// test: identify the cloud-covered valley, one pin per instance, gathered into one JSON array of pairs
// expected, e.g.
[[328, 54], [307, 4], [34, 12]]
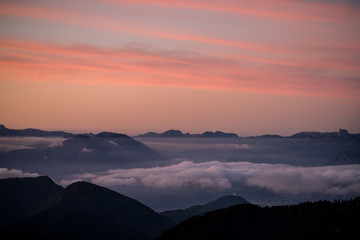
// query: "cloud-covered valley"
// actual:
[[194, 170], [279, 178]]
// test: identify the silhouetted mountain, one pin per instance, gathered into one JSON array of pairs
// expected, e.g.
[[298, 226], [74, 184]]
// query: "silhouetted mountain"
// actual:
[[219, 134], [173, 133], [269, 136], [342, 134], [21, 196], [30, 132], [317, 220], [87, 211], [181, 214], [300, 149], [178, 133], [149, 134], [111, 135], [169, 133], [102, 151]]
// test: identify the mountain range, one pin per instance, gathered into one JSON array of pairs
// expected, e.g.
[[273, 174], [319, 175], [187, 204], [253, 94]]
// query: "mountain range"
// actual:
[[80, 211], [78, 153], [341, 134], [178, 133], [31, 132], [44, 210], [310, 220], [38, 208], [82, 151]]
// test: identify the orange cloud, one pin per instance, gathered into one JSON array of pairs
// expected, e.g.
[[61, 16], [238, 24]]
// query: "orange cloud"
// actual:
[[143, 65], [87, 20]]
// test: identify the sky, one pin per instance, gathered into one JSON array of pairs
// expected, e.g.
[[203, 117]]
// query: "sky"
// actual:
[[248, 67]]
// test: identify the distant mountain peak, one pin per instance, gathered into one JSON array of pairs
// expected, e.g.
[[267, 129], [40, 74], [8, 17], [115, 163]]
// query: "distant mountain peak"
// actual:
[[219, 134], [76, 151], [111, 135], [343, 132], [178, 133], [31, 132], [173, 133]]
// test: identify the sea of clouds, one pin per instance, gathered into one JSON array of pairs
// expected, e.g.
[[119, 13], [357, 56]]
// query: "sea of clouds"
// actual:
[[279, 178]]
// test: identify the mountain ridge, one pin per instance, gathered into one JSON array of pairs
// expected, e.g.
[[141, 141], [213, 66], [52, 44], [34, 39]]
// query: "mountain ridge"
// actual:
[[103, 150], [87, 211], [31, 132], [308, 220], [181, 214], [21, 196], [178, 133], [341, 134]]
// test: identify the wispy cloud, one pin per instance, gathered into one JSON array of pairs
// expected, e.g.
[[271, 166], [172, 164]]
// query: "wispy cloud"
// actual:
[[308, 49], [239, 57], [152, 66], [275, 9], [334, 180]]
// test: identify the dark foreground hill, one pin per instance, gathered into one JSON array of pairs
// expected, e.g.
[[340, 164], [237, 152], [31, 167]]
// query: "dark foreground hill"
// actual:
[[87, 211], [318, 220], [22, 196], [181, 214]]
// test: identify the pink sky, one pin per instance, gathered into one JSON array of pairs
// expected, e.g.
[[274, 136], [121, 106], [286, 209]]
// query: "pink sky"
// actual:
[[249, 67]]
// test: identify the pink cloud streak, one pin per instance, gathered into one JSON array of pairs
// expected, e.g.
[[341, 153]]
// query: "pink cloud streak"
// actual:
[[325, 68], [144, 65], [89, 20], [273, 9]]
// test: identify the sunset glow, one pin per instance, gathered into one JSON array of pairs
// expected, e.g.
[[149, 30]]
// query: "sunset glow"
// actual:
[[249, 67]]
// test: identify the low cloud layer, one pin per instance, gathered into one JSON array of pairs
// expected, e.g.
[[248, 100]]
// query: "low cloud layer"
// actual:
[[14, 143], [12, 173], [335, 180]]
